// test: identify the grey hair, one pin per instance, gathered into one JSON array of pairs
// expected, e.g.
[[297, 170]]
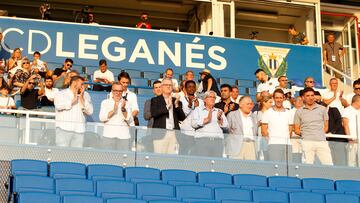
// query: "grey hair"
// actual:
[[162, 82], [207, 93]]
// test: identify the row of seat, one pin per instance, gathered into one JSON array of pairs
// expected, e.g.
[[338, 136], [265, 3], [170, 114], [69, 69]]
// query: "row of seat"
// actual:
[[260, 196]]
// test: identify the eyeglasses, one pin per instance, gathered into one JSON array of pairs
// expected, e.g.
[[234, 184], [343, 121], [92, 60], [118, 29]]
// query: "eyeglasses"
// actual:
[[310, 81], [26, 63], [31, 83], [69, 65], [357, 88]]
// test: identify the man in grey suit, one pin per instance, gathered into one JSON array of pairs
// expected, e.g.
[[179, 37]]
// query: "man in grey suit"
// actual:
[[147, 105], [243, 127]]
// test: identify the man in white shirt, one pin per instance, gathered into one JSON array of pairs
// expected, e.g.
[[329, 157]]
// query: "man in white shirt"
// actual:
[[116, 115], [266, 83], [103, 76], [333, 97], [276, 126], [283, 85], [235, 97], [351, 122], [243, 127], [130, 97], [356, 90], [49, 95], [295, 139], [169, 73], [71, 107], [208, 123]]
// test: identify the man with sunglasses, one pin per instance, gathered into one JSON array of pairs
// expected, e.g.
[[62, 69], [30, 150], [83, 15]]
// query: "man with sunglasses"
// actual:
[[30, 95], [60, 72], [356, 91]]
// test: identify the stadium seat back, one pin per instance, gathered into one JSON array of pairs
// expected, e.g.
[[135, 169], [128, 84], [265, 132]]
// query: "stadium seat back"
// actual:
[[214, 177], [284, 182], [250, 180], [336, 198], [347, 185], [150, 75], [31, 167], [33, 197], [105, 170], [178, 175], [318, 183], [232, 194], [270, 195], [301, 197], [73, 184], [187, 191], [67, 170], [124, 200], [81, 199], [112, 186], [157, 189], [142, 173], [33, 183]]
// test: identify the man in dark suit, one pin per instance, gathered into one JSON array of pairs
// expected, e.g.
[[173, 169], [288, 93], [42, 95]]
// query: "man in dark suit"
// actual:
[[167, 113]]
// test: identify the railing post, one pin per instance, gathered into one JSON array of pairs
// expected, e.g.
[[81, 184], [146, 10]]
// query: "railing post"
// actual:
[[27, 129]]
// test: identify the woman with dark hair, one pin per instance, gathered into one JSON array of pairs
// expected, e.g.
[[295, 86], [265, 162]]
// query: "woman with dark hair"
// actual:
[[208, 82]]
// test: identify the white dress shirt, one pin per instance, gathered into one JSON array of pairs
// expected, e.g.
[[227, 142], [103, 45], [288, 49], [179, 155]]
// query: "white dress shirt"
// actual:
[[117, 126], [248, 125], [131, 99], [50, 93], [336, 103], [106, 75], [185, 125], [68, 116], [212, 129]]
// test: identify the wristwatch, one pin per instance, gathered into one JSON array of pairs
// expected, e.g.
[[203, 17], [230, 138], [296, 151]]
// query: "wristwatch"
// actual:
[[123, 109]]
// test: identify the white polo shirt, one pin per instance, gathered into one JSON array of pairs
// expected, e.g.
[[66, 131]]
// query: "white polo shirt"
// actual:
[[269, 85], [353, 116], [336, 103], [106, 75]]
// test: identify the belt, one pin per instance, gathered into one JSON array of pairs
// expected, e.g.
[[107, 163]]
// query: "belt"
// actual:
[[248, 140]]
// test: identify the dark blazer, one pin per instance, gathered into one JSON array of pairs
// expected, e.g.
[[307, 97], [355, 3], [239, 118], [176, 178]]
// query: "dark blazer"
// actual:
[[159, 112]]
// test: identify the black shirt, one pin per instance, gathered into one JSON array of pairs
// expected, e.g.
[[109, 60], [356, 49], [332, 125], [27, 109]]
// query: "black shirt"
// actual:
[[213, 87], [59, 71], [29, 99], [221, 105]]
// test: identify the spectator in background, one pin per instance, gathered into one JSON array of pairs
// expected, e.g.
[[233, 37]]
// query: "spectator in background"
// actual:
[[117, 116], [276, 126], [311, 123], [308, 82], [39, 66], [297, 37], [265, 103], [30, 95], [169, 73], [189, 75], [1, 34], [209, 123], [47, 98], [59, 73], [235, 97], [296, 141], [144, 21], [21, 75], [147, 105], [130, 97], [103, 76], [283, 85], [318, 99], [226, 105], [243, 128], [71, 107], [356, 91], [266, 83], [91, 19], [64, 81], [167, 113], [351, 120], [14, 62], [332, 53], [6, 101], [208, 82], [3, 78], [333, 97]]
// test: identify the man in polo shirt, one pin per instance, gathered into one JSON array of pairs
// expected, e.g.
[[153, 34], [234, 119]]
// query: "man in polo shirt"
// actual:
[[332, 52], [311, 123], [266, 83], [276, 125]]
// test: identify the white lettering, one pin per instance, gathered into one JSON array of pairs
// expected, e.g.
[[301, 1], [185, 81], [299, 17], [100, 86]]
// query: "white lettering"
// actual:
[[30, 42], [121, 51], [83, 46], [214, 56], [4, 36], [59, 47], [174, 57], [141, 45], [190, 55]]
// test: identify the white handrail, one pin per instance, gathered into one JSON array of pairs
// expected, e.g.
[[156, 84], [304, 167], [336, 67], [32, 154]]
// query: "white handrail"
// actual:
[[345, 76]]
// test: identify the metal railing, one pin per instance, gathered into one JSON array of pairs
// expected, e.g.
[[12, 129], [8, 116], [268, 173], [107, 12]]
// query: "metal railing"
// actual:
[[345, 78]]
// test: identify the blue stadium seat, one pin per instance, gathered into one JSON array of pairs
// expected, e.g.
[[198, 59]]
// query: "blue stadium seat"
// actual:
[[153, 191], [284, 182], [250, 180], [238, 201], [169, 175], [139, 82], [114, 189], [203, 201], [245, 83], [326, 191], [67, 170], [302, 197], [347, 185], [133, 73], [318, 183], [81, 199], [214, 178], [105, 172], [190, 192], [270, 195], [124, 200], [31, 167], [230, 81], [145, 92], [165, 201], [243, 90], [29, 183], [33, 197], [336, 198], [74, 186], [232, 194], [142, 173], [150, 75]]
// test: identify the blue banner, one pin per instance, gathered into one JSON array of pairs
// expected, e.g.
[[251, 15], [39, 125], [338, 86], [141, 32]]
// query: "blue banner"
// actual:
[[150, 50]]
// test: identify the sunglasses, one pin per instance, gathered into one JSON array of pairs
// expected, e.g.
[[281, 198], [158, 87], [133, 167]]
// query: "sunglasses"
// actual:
[[31, 83], [358, 88], [69, 65], [26, 63], [310, 81]]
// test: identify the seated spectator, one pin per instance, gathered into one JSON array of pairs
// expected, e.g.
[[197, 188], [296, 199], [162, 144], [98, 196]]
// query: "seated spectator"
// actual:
[[3, 78], [14, 62], [333, 97], [235, 97], [103, 76], [266, 83], [308, 82], [189, 75], [64, 81], [59, 73], [144, 21], [226, 105], [297, 37], [356, 91], [39, 66], [6, 102], [169, 73], [30, 95], [48, 98], [21, 75], [208, 82]]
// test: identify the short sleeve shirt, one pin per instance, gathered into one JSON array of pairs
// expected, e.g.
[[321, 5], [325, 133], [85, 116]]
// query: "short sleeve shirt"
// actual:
[[353, 115], [268, 86], [311, 122], [332, 50], [278, 125], [299, 38], [59, 71]]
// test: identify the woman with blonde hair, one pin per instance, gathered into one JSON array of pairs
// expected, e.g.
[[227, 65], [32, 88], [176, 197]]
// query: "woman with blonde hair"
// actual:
[[14, 62]]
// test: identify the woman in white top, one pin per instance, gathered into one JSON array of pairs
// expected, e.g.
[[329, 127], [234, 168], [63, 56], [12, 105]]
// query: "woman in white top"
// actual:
[[117, 117], [266, 102], [6, 102], [14, 62]]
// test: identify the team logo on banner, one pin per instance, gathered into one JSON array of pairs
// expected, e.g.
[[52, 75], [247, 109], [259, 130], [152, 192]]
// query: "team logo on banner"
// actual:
[[273, 60]]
